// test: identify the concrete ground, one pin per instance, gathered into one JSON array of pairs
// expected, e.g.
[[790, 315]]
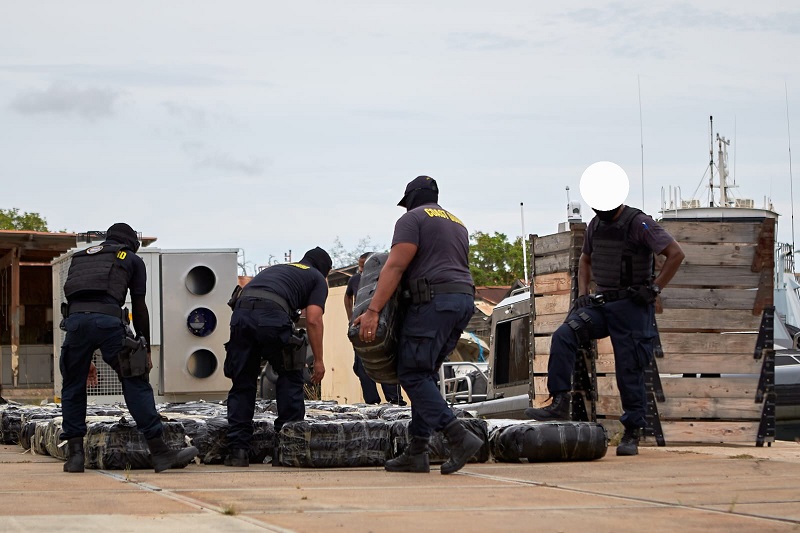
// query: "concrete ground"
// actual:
[[709, 488]]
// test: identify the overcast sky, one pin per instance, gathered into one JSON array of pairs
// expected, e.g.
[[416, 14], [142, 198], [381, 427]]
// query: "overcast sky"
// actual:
[[277, 126]]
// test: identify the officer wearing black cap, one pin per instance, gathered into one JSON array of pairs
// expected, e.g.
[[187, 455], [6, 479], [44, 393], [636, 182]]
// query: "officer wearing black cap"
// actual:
[[429, 259], [262, 328], [617, 253], [97, 283]]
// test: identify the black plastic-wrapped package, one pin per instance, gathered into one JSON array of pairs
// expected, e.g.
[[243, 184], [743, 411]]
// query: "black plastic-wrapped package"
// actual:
[[261, 446], [39, 437], [379, 356], [10, 423], [512, 440], [29, 417], [340, 443], [118, 444]]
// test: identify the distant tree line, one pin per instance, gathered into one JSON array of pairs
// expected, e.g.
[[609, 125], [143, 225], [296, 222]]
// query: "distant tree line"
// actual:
[[12, 219]]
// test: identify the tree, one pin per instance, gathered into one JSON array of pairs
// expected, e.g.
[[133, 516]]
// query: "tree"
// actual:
[[12, 219], [342, 257], [493, 260]]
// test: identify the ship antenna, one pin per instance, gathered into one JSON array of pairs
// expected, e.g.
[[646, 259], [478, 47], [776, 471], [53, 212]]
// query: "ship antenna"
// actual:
[[791, 179], [524, 248], [641, 134], [711, 163]]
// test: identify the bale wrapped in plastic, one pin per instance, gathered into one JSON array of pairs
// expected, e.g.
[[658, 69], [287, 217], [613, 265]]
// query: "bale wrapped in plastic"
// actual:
[[317, 414], [118, 444], [30, 416], [39, 438], [10, 423], [200, 408], [373, 412], [331, 406], [262, 444], [438, 450], [513, 440], [26, 433], [195, 427], [379, 356], [342, 443], [117, 410], [52, 439], [396, 413]]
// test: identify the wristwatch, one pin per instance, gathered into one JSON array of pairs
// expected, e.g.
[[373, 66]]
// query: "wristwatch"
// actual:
[[655, 288]]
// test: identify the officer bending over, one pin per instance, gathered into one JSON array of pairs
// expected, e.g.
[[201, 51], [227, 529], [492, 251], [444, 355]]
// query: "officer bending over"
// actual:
[[262, 328], [429, 258], [97, 283]]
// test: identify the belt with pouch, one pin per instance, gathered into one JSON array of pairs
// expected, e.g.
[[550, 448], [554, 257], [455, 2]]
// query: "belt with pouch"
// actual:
[[263, 300], [97, 307]]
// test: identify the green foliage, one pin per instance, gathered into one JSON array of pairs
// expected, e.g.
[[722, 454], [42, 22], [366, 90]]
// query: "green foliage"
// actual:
[[342, 257], [493, 260], [13, 220]]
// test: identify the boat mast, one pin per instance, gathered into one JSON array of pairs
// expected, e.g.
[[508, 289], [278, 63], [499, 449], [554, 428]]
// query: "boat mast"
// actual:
[[723, 170], [711, 162]]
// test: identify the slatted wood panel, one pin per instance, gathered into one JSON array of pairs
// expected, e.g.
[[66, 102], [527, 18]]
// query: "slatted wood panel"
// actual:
[[718, 293]]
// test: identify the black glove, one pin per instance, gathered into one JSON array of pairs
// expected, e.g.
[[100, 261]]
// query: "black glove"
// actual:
[[643, 294], [582, 301]]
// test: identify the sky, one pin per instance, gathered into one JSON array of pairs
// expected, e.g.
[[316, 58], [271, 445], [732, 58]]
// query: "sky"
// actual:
[[276, 126]]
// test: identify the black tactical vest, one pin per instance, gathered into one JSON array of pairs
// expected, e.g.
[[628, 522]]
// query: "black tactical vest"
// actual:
[[98, 269], [617, 262]]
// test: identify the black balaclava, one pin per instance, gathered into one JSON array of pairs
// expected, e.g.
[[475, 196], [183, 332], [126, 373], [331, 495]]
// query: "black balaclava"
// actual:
[[606, 216], [319, 259], [420, 197], [123, 234]]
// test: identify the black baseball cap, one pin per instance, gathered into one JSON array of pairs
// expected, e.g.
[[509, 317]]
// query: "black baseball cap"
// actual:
[[420, 182]]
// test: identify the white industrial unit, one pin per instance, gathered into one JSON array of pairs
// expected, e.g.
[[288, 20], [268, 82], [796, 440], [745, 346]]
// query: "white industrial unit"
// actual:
[[195, 318], [187, 294]]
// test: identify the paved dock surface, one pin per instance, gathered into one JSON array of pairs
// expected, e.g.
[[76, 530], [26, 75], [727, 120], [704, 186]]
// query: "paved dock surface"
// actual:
[[709, 488]]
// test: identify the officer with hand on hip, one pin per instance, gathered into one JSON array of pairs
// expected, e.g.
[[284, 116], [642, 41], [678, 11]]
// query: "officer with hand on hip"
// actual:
[[97, 283], [262, 328], [618, 253], [429, 259]]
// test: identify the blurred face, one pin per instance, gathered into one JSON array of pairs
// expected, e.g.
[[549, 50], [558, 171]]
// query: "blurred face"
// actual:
[[361, 265]]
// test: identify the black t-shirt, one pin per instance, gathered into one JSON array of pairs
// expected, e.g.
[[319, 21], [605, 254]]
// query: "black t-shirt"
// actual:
[[352, 284], [299, 284], [442, 244]]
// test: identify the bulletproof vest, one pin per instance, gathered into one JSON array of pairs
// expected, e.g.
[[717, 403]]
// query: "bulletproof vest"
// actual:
[[617, 262], [97, 269]]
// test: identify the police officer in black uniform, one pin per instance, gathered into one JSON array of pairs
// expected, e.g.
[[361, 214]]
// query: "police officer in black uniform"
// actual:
[[97, 283], [262, 328], [429, 259], [618, 252]]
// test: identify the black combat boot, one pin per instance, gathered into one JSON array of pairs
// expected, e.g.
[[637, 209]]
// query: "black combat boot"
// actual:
[[237, 457], [629, 444], [163, 457], [413, 459], [463, 445], [557, 410], [75, 456]]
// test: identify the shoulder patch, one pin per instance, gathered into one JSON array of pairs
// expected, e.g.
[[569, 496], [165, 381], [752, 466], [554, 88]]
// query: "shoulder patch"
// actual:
[[298, 265], [94, 249]]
